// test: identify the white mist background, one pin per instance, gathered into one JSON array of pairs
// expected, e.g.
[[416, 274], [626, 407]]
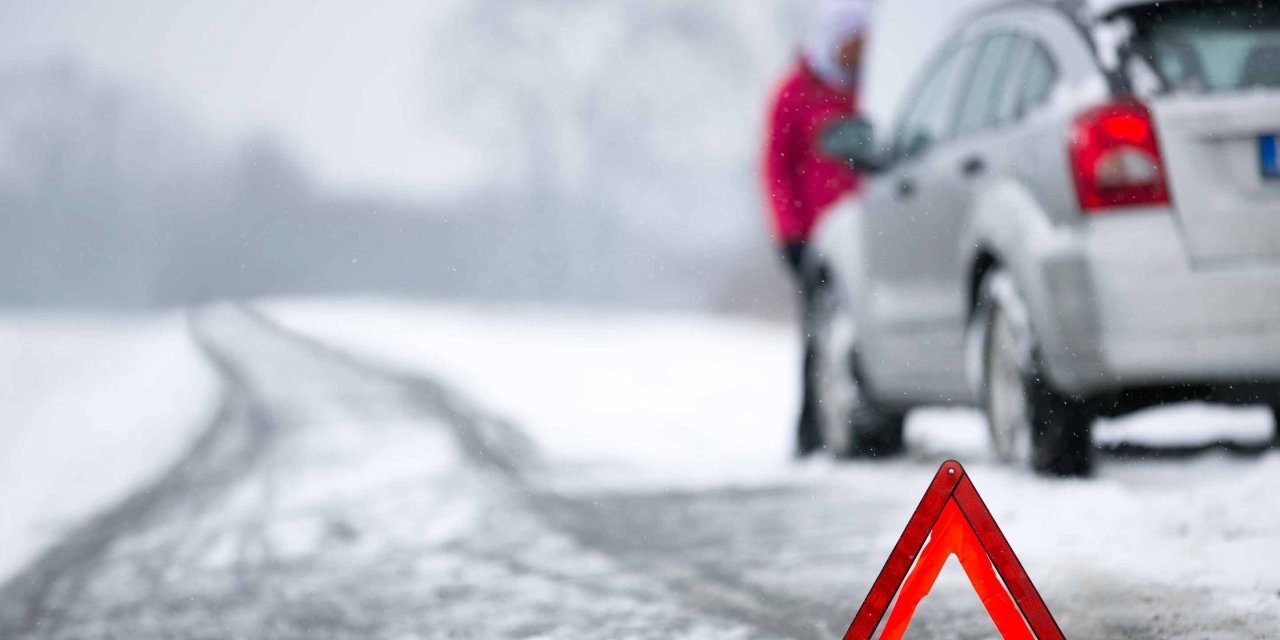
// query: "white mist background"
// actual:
[[590, 152], [342, 81]]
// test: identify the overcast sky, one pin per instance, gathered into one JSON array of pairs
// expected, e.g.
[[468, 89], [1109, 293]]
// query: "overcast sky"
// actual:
[[340, 81]]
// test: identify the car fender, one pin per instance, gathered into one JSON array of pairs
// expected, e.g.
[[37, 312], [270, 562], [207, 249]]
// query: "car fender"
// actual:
[[1047, 263]]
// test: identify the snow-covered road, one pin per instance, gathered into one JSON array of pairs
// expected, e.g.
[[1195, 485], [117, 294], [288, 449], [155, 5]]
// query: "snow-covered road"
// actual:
[[632, 486]]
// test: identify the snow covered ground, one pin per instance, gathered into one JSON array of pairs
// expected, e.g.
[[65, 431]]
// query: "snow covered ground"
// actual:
[[336, 498], [655, 398], [643, 404], [376, 480], [91, 407]]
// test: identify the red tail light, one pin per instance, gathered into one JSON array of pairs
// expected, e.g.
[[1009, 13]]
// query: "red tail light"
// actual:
[[1115, 159]]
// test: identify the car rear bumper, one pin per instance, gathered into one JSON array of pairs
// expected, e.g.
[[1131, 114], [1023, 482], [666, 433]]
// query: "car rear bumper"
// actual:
[[1126, 308]]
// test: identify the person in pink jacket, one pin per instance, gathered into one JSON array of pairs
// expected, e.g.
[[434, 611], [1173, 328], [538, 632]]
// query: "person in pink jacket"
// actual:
[[799, 181]]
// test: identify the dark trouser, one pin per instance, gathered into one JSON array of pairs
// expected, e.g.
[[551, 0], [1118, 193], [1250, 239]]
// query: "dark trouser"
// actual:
[[808, 435]]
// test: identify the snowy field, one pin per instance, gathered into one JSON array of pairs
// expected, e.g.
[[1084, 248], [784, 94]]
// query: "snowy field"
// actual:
[[91, 408], [645, 404], [673, 398]]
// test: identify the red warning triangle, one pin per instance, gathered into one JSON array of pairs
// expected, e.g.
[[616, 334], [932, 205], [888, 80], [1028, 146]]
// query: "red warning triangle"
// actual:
[[954, 521]]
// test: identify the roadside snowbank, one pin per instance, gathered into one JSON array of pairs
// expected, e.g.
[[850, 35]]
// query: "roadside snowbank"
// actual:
[[91, 407]]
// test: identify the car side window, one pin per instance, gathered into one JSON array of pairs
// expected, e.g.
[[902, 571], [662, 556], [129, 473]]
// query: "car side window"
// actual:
[[1038, 78], [927, 119], [988, 83]]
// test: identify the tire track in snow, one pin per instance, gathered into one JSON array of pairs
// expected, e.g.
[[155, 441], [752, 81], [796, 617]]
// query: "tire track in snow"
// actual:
[[233, 442], [498, 443], [139, 568], [246, 427], [489, 440]]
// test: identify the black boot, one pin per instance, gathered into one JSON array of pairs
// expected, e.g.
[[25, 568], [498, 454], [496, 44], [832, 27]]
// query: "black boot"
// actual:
[[808, 435]]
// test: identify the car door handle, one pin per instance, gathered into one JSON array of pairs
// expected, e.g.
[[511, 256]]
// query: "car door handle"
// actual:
[[906, 188], [973, 166]]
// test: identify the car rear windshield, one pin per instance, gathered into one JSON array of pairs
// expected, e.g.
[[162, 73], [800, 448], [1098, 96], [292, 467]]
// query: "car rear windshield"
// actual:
[[1210, 47]]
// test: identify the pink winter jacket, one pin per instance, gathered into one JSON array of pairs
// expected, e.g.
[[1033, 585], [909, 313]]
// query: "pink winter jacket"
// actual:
[[799, 180]]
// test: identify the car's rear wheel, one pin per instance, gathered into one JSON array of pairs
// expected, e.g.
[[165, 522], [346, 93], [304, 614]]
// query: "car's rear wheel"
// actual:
[[1032, 425], [850, 422]]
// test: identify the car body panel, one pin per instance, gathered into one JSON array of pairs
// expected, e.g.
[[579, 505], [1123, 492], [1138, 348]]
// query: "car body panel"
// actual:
[[1229, 213]]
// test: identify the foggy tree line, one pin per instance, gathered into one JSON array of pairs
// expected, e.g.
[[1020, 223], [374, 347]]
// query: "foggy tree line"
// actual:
[[619, 152]]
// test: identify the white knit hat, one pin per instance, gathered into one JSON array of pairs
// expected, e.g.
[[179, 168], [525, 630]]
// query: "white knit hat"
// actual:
[[836, 21]]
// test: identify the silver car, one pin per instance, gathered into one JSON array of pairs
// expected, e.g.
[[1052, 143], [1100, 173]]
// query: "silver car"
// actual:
[[1077, 214]]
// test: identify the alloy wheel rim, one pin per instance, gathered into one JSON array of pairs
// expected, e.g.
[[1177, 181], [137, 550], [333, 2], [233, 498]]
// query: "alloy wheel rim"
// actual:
[[1007, 401]]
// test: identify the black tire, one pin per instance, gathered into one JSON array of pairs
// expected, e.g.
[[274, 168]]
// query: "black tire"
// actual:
[[1275, 426], [849, 422], [1062, 443], [1031, 424], [877, 432]]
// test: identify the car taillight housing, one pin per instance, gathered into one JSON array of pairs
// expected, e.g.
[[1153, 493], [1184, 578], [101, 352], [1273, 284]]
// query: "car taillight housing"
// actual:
[[1115, 159]]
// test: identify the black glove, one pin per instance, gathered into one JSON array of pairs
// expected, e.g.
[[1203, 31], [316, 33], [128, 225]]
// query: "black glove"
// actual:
[[793, 253]]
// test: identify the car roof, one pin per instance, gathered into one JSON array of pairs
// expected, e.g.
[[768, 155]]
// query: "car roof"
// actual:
[[1082, 12], [1079, 10]]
